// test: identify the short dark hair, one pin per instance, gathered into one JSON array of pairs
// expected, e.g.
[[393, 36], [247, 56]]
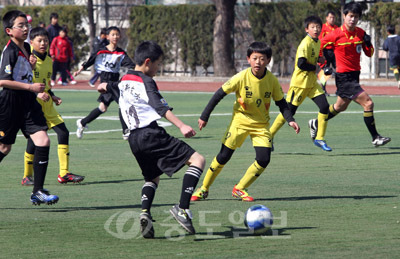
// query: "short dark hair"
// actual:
[[147, 49], [352, 8], [112, 28], [259, 47], [391, 29], [38, 31], [330, 12], [53, 15], [312, 19], [9, 18], [103, 31]]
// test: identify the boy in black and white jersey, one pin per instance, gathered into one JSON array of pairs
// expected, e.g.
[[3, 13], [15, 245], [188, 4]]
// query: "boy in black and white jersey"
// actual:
[[19, 109], [107, 61], [155, 150]]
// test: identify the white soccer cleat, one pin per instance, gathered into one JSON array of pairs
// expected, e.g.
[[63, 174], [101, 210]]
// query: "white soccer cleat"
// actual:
[[380, 141], [313, 128], [80, 128]]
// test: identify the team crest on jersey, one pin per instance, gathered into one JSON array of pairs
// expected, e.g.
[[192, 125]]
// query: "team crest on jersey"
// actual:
[[7, 69], [359, 48], [163, 101]]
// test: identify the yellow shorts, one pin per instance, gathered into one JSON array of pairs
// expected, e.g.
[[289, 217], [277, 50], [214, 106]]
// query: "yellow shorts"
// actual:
[[53, 118], [297, 95], [234, 137]]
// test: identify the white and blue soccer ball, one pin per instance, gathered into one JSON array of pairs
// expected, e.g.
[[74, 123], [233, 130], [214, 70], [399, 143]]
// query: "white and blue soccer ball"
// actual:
[[258, 219]]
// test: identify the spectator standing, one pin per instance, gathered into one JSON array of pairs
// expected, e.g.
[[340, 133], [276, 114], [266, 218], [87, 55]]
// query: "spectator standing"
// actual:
[[54, 28], [392, 44]]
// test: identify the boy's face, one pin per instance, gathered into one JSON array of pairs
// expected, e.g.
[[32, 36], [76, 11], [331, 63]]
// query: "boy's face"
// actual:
[[113, 37], [330, 19], [20, 29], [152, 67], [62, 34], [351, 20], [313, 29], [40, 44], [258, 62], [54, 21]]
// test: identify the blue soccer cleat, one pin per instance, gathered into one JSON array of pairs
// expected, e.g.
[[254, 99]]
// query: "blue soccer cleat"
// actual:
[[43, 196], [322, 144]]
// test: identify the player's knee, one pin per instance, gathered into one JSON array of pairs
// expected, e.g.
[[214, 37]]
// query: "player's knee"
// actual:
[[103, 107], [197, 160], [5, 148], [263, 162], [369, 105]]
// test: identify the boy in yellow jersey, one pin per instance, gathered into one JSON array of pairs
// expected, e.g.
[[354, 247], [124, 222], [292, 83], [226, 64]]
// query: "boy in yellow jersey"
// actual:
[[255, 88], [304, 82], [41, 74]]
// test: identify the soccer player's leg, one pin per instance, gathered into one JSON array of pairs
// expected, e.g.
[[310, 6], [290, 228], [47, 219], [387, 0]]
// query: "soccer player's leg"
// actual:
[[27, 180], [320, 100], [81, 124], [64, 176], [232, 139], [397, 74], [366, 102], [294, 99], [146, 221], [181, 211], [262, 145]]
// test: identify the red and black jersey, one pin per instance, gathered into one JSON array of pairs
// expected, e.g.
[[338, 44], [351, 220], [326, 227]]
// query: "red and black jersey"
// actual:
[[347, 46], [326, 29]]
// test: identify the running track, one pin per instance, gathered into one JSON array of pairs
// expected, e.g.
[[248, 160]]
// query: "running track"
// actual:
[[371, 88]]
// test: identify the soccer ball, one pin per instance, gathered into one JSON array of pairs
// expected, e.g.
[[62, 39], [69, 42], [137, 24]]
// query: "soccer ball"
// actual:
[[258, 219]]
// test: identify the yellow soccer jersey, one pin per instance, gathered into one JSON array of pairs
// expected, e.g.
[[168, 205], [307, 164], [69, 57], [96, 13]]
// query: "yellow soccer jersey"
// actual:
[[308, 49], [42, 74], [253, 98]]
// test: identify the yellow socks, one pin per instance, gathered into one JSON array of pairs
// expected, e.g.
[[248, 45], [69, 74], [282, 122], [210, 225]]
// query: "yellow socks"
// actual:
[[278, 123], [212, 173], [252, 173], [28, 165], [63, 158], [322, 124]]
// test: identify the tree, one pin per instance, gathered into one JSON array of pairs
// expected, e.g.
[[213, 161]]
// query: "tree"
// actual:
[[223, 40]]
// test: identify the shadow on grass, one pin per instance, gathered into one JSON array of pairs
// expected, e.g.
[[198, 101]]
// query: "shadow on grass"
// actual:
[[234, 232], [368, 154], [305, 198], [69, 209], [122, 181]]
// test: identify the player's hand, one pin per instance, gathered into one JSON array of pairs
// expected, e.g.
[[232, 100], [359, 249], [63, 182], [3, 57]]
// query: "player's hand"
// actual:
[[102, 88], [43, 96], [56, 100], [187, 131], [367, 40], [202, 124], [295, 126], [321, 60], [32, 60], [37, 87], [76, 73]]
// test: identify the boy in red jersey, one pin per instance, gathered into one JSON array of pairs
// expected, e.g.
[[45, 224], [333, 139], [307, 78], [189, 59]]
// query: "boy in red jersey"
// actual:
[[348, 41], [326, 71]]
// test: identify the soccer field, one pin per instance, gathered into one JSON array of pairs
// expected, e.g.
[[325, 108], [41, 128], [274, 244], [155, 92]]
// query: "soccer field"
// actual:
[[341, 204]]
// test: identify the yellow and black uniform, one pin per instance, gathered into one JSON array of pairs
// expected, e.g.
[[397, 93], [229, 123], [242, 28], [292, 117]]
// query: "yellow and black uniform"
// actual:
[[250, 117], [304, 84], [42, 74]]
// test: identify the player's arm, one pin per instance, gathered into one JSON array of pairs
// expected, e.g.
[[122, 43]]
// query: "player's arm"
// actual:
[[87, 64], [11, 84], [368, 48], [205, 115], [304, 65], [186, 130], [287, 114]]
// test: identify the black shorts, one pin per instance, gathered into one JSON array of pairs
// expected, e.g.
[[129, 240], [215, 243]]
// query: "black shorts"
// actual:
[[157, 152], [105, 98], [19, 110], [348, 85]]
